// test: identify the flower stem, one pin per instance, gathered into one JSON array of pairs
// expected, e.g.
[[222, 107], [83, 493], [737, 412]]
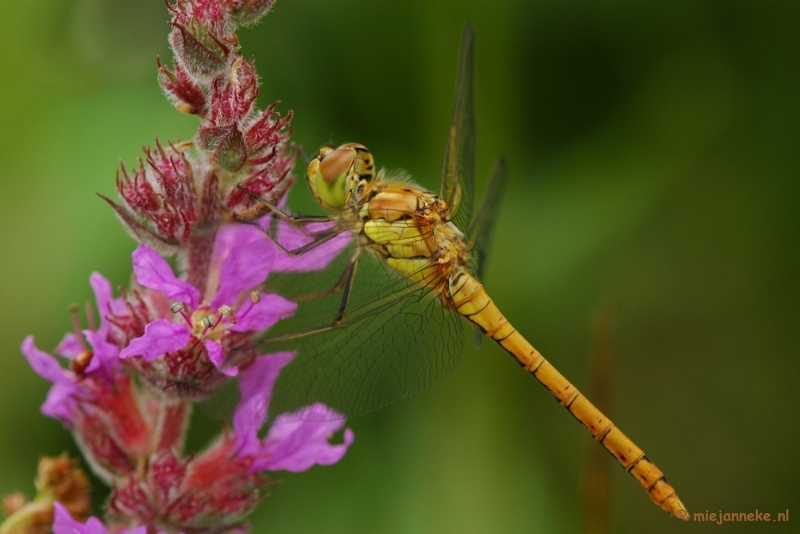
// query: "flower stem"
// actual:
[[198, 258]]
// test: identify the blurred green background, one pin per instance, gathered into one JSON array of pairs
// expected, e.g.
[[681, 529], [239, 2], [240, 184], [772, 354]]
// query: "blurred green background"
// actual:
[[653, 152]]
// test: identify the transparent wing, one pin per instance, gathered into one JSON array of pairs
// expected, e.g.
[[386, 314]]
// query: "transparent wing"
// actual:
[[458, 169], [396, 339], [480, 232]]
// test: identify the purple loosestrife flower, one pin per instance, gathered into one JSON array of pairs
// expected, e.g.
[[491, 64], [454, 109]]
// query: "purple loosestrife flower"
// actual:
[[98, 402], [64, 524], [178, 333], [185, 344], [180, 352], [293, 443], [219, 486]]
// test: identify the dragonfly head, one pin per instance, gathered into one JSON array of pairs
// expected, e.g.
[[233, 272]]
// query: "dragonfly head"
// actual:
[[335, 172]]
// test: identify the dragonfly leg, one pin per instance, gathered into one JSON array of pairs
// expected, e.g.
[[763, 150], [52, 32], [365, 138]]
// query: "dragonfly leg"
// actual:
[[348, 276], [345, 283], [345, 280], [247, 216], [318, 239]]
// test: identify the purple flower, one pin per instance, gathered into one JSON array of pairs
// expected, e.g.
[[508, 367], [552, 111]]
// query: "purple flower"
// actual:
[[103, 356], [227, 313], [222, 484], [62, 398], [295, 442], [239, 269], [64, 524], [170, 339]]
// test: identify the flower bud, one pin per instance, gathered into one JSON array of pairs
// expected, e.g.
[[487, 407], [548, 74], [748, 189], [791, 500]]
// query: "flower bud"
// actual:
[[162, 192], [268, 180], [250, 11], [199, 60], [181, 90], [226, 146]]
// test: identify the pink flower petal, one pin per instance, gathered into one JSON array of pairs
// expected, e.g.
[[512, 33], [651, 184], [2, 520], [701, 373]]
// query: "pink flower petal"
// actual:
[[255, 386], [61, 399], [64, 524], [217, 357], [154, 272], [61, 402], [315, 259], [159, 337], [102, 292], [70, 346], [45, 365], [243, 268], [106, 355], [300, 440], [263, 314]]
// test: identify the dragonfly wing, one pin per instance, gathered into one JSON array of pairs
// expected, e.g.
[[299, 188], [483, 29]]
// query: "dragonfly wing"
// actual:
[[480, 232], [479, 235], [458, 169], [396, 339]]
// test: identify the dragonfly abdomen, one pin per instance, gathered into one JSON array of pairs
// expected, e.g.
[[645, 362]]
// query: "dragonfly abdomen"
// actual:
[[470, 299]]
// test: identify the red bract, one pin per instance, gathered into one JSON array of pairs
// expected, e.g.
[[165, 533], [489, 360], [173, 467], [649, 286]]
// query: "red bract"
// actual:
[[182, 91], [187, 185], [208, 493], [269, 180], [266, 133], [160, 197], [232, 98]]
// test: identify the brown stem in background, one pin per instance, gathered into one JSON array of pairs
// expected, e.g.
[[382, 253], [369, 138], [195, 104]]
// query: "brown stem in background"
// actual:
[[597, 477]]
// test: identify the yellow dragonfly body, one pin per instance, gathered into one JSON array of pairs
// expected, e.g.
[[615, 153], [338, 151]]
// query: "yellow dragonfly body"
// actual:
[[404, 334]]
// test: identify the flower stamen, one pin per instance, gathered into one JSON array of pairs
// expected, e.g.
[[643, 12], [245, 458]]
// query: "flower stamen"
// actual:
[[227, 312], [90, 317], [210, 322], [177, 307], [255, 298], [76, 325]]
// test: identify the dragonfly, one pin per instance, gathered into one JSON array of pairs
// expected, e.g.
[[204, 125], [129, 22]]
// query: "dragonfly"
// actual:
[[392, 325]]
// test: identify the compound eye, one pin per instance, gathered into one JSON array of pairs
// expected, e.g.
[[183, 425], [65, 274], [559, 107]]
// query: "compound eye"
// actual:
[[331, 178], [335, 163]]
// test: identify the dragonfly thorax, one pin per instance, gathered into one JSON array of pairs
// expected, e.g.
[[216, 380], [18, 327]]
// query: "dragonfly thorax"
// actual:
[[410, 228], [404, 224]]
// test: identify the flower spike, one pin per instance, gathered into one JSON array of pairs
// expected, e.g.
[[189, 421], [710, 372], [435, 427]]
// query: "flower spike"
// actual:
[[125, 387]]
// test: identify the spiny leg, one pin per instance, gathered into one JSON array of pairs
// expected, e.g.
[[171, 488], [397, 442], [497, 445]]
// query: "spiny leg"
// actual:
[[247, 217], [318, 238], [345, 278], [348, 276], [345, 282]]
